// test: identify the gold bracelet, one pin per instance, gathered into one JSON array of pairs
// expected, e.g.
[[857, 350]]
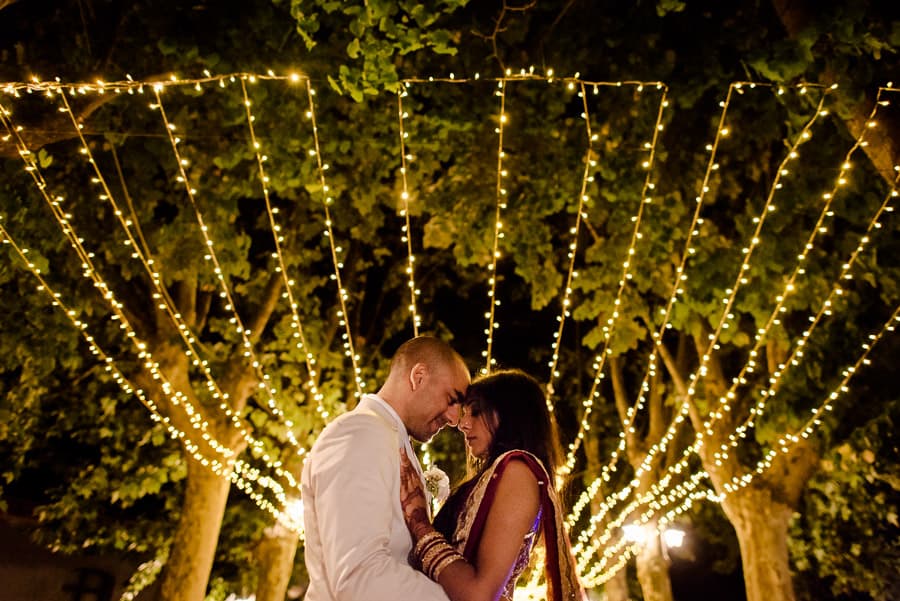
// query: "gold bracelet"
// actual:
[[430, 555], [426, 541], [443, 563], [438, 555]]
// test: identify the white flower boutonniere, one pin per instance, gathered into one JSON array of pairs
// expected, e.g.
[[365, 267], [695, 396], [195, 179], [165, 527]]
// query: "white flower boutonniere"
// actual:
[[437, 483]]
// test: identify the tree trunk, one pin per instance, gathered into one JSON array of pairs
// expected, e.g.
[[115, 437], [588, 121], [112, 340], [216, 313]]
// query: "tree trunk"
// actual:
[[275, 563], [761, 524], [186, 573], [653, 569], [616, 588]]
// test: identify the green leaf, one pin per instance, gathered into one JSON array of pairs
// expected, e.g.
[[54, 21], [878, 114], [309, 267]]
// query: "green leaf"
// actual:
[[353, 48]]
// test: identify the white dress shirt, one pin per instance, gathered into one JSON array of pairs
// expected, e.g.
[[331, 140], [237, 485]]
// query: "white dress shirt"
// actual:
[[357, 544]]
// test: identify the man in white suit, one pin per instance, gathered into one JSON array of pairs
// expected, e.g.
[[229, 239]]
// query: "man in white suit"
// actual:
[[357, 544]]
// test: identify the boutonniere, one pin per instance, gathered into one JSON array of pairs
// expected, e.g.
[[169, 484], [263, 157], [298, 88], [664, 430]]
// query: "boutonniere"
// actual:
[[437, 483]]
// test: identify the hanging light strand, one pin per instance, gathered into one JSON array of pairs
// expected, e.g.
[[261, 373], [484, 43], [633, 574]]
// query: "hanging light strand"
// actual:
[[740, 432], [263, 379], [278, 255], [589, 164], [784, 444], [327, 200], [611, 322], [176, 397], [721, 132], [659, 488], [798, 350], [230, 468], [789, 288], [727, 317], [160, 295], [404, 212], [500, 205], [610, 467]]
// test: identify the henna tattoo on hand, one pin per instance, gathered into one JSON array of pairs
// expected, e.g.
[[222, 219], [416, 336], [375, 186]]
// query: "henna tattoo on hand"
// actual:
[[412, 498]]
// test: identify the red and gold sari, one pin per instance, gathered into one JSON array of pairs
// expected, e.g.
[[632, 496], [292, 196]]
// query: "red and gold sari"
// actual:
[[463, 517]]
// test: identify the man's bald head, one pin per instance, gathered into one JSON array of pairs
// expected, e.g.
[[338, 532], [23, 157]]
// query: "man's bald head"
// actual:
[[429, 350], [427, 381]]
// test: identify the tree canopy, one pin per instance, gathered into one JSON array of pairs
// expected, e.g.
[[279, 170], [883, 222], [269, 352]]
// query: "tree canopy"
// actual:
[[598, 168]]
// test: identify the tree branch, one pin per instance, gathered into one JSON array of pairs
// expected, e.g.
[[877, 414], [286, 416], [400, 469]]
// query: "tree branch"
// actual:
[[883, 147], [54, 128], [672, 368], [656, 408], [498, 27], [621, 400], [257, 322]]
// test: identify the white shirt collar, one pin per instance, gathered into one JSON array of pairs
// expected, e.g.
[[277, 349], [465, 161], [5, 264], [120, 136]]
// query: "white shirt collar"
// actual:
[[383, 404]]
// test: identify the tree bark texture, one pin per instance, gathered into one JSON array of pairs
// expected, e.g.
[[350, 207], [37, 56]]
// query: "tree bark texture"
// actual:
[[186, 573], [653, 569], [761, 523], [275, 562], [616, 588]]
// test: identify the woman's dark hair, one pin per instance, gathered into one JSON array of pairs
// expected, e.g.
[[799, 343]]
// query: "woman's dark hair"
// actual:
[[524, 418]]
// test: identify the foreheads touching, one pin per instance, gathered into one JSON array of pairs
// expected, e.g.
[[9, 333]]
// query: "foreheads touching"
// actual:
[[426, 384]]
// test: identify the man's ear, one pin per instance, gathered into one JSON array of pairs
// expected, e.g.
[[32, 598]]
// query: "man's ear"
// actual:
[[417, 375]]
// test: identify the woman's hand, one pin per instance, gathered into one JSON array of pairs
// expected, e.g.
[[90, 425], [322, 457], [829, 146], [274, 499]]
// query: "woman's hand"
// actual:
[[412, 499]]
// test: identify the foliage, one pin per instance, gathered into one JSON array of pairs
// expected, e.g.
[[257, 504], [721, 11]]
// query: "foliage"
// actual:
[[843, 540], [126, 478]]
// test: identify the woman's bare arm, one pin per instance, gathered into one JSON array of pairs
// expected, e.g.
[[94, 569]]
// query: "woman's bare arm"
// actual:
[[509, 519]]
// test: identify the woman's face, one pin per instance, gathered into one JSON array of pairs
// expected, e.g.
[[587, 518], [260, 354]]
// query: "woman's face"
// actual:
[[478, 427]]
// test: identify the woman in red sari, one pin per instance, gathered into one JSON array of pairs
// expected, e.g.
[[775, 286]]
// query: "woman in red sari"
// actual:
[[482, 538]]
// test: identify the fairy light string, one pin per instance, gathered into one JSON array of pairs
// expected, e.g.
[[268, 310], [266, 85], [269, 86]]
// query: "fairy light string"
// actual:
[[500, 205], [782, 447], [589, 164], [658, 490], [721, 132], [794, 358], [238, 471], [225, 291], [787, 441], [327, 200], [727, 316], [818, 228], [165, 302], [160, 294], [89, 271], [281, 267], [235, 469], [799, 269], [404, 212], [624, 278], [798, 349]]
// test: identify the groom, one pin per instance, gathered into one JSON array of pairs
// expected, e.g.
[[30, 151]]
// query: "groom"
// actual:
[[357, 544]]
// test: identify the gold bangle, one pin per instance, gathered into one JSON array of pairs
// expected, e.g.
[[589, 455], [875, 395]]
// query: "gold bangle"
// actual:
[[439, 567], [428, 558], [426, 541]]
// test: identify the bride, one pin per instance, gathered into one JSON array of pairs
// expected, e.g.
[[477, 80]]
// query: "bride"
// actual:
[[482, 538]]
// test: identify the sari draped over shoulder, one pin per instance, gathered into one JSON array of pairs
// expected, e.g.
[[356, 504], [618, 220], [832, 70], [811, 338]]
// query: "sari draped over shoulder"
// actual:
[[463, 517]]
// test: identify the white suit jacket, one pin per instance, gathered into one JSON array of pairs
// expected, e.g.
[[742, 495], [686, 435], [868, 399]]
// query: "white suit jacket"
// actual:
[[357, 544]]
